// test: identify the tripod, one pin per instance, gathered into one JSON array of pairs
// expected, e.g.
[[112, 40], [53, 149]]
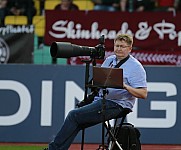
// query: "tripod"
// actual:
[[88, 85], [99, 54], [103, 146]]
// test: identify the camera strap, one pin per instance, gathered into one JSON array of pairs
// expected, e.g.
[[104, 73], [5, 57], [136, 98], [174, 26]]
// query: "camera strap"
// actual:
[[122, 62]]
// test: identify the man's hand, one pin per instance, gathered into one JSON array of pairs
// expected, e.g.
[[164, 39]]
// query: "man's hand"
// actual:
[[87, 101]]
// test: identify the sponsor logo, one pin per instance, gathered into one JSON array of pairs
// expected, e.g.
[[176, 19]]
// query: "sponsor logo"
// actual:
[[4, 51]]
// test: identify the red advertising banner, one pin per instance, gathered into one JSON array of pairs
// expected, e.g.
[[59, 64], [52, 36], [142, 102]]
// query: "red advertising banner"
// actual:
[[156, 32]]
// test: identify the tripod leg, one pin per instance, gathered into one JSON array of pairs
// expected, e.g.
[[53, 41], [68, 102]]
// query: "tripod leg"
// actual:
[[82, 144], [103, 134], [112, 143], [118, 145], [114, 140]]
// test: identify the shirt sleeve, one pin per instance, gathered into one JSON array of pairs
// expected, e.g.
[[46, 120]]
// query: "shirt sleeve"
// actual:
[[138, 77]]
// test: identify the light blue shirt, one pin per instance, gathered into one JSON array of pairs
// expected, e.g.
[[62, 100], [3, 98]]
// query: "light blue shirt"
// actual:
[[134, 75]]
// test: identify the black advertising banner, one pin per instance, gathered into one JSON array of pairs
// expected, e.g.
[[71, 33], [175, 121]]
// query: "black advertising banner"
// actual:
[[156, 34], [16, 44]]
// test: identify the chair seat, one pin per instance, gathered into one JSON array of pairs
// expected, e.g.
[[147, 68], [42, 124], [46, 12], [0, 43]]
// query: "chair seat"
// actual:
[[124, 112], [16, 20]]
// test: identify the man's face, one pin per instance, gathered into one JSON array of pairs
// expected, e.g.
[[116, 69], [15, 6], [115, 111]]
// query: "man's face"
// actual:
[[66, 2], [121, 49]]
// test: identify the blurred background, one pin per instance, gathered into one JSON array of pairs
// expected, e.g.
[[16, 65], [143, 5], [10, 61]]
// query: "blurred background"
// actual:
[[37, 91]]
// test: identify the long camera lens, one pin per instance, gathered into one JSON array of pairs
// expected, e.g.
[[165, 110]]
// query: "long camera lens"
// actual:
[[67, 50]]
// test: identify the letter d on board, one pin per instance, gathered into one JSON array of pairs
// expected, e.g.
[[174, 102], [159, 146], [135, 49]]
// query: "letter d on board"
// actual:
[[25, 103]]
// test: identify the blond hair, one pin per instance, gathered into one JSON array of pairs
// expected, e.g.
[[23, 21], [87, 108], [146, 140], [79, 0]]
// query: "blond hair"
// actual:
[[124, 37]]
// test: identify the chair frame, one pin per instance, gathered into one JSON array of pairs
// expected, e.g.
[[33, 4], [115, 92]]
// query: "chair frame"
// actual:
[[112, 133]]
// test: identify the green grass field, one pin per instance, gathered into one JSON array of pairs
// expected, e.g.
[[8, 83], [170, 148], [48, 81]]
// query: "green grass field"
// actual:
[[13, 147]]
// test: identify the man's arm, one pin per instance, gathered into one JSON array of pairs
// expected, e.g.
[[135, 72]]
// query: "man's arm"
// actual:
[[137, 92]]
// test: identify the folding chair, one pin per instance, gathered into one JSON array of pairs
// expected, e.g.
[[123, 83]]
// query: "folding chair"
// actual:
[[112, 130]]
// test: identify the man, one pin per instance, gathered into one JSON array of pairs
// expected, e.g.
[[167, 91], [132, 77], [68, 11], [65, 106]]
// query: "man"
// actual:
[[107, 5], [3, 10], [137, 5], [88, 115], [66, 5], [166, 5], [22, 8]]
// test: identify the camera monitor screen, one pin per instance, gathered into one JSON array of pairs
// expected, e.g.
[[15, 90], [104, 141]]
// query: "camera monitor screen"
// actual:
[[108, 77]]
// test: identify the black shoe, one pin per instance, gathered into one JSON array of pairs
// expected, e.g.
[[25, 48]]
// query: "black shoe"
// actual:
[[45, 149]]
